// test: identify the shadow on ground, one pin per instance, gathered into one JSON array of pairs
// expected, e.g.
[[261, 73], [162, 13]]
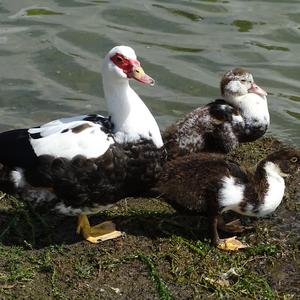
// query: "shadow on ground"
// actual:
[[130, 215]]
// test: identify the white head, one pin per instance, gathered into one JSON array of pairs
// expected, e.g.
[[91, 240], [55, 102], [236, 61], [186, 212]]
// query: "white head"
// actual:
[[121, 63], [239, 82]]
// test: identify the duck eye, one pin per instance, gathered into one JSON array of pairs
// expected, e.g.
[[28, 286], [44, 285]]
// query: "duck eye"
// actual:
[[243, 80], [119, 58], [294, 159]]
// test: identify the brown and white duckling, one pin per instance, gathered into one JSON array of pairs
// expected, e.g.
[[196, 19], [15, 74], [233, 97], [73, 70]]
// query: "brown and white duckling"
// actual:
[[241, 116], [83, 164], [205, 184]]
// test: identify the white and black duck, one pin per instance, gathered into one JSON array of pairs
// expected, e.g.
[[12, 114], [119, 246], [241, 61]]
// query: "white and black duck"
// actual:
[[207, 184], [241, 116], [81, 165]]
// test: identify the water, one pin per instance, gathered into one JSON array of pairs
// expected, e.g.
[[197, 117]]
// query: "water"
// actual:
[[50, 55]]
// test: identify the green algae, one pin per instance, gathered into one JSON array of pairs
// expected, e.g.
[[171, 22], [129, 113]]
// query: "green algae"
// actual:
[[161, 287], [42, 11]]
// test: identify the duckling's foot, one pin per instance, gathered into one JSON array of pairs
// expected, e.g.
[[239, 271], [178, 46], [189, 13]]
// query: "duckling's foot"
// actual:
[[98, 233], [235, 226], [230, 244]]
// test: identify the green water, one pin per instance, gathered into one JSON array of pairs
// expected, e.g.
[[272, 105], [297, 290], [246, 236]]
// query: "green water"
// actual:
[[50, 55]]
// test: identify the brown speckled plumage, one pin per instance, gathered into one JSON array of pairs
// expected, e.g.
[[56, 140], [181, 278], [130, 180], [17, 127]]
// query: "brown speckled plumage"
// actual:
[[195, 182], [124, 170], [220, 125]]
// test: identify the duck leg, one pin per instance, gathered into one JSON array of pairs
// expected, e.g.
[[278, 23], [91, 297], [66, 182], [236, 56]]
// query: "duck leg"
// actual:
[[98, 233], [228, 244]]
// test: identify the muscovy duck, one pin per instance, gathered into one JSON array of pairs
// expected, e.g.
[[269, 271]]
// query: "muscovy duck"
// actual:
[[81, 165], [241, 116]]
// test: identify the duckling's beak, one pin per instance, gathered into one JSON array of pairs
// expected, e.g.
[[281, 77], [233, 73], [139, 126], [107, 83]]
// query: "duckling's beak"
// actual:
[[138, 74], [257, 90]]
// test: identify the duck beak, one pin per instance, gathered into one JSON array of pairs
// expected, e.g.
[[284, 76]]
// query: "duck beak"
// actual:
[[138, 74], [257, 90]]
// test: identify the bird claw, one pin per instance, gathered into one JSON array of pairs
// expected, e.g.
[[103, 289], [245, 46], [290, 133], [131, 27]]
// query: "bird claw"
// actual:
[[95, 234], [104, 237]]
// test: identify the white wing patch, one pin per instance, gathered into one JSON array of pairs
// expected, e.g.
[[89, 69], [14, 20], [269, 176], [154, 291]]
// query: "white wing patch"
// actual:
[[17, 177], [231, 194], [69, 137], [64, 121]]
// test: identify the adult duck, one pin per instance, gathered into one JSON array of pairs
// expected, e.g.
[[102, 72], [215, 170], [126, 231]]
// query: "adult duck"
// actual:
[[81, 165], [241, 116], [205, 183]]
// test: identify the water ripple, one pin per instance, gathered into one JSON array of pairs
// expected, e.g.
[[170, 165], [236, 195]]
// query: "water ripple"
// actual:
[[141, 19], [186, 45]]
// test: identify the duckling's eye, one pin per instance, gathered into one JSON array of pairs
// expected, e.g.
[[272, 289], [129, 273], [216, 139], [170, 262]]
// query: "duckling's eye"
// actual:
[[243, 80], [294, 159]]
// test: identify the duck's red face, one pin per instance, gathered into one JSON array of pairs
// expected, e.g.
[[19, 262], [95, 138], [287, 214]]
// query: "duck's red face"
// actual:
[[132, 68]]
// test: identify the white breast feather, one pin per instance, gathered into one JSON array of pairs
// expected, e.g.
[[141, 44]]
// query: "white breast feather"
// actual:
[[91, 142], [255, 107], [139, 123], [275, 191]]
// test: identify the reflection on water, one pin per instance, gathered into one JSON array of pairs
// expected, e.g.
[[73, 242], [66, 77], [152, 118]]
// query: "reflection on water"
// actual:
[[50, 56]]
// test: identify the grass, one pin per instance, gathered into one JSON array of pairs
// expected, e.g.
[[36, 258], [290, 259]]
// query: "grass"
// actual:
[[164, 255], [161, 287]]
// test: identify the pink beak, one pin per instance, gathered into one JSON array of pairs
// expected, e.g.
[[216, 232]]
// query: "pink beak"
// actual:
[[138, 74], [257, 90]]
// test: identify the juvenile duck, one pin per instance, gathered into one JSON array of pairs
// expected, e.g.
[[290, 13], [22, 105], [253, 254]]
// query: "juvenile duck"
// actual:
[[209, 185], [241, 116], [84, 164]]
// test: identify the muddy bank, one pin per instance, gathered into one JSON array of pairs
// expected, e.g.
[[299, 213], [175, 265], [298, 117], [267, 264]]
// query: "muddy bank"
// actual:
[[163, 255]]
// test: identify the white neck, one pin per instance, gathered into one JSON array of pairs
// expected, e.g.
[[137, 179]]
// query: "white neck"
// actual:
[[275, 189], [131, 118], [116, 97]]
